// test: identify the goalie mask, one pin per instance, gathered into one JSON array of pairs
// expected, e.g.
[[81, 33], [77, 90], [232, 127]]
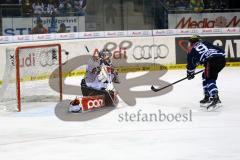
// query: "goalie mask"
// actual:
[[105, 55]]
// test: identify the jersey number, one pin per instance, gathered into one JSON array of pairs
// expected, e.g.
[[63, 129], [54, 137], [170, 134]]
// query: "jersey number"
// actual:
[[202, 49]]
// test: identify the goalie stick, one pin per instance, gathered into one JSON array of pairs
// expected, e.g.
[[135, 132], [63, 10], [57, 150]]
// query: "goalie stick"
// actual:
[[108, 92], [86, 48], [115, 103], [158, 89]]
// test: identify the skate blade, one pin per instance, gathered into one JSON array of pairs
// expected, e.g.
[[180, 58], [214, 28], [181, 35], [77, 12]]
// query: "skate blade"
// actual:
[[204, 105], [214, 108]]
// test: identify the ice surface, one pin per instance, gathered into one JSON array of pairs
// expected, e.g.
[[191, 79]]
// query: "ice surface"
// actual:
[[36, 133]]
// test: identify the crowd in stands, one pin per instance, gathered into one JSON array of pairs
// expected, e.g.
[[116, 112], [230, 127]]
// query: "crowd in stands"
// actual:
[[49, 7], [196, 5], [77, 7], [57, 7]]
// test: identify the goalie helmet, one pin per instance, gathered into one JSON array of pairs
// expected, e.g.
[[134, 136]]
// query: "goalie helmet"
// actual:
[[105, 53], [194, 39]]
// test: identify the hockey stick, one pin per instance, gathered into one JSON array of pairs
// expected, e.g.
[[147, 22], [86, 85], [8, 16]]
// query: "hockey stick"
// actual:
[[113, 101], [158, 89], [86, 48], [109, 94]]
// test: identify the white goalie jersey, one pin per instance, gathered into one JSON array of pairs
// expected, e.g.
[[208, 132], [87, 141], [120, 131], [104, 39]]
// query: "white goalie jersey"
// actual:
[[98, 75], [97, 85], [92, 70]]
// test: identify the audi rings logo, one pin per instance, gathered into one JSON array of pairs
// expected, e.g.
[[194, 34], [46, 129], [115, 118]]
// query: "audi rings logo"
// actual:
[[49, 58], [150, 51]]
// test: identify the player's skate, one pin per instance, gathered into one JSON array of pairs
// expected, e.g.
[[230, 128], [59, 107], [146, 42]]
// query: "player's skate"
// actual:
[[215, 103], [205, 101]]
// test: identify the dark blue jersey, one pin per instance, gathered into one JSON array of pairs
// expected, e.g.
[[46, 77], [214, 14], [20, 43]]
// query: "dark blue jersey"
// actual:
[[201, 52]]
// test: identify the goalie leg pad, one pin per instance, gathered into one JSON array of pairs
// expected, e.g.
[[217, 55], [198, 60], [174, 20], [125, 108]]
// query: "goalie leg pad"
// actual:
[[88, 91], [92, 102]]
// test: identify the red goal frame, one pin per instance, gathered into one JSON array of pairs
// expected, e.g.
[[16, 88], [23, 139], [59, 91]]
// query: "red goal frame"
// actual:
[[18, 82]]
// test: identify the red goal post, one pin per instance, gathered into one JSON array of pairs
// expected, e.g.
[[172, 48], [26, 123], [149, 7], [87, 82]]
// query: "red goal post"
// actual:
[[31, 69]]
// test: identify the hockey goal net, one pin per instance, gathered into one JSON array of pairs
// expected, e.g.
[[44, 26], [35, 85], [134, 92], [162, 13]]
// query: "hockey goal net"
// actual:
[[28, 71]]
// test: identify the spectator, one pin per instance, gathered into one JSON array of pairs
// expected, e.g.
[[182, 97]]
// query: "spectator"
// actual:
[[210, 4], [170, 4], [196, 5], [182, 4], [206, 4], [213, 4], [50, 7], [65, 7], [216, 4], [224, 4], [39, 28], [79, 7], [26, 7], [38, 7], [62, 29]]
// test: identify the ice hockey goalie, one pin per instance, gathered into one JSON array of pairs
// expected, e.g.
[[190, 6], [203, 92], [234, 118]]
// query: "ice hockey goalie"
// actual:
[[97, 85]]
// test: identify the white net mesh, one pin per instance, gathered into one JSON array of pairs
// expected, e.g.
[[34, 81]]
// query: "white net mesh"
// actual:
[[36, 64]]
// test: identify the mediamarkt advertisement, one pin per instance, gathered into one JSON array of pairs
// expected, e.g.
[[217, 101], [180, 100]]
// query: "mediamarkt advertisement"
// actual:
[[204, 20]]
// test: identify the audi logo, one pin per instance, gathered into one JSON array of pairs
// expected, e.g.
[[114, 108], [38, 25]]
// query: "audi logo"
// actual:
[[150, 51], [49, 58]]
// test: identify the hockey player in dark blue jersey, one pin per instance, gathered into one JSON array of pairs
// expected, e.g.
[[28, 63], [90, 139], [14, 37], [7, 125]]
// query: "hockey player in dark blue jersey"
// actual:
[[213, 59]]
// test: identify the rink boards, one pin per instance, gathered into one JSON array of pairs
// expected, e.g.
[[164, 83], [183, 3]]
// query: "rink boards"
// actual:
[[132, 50]]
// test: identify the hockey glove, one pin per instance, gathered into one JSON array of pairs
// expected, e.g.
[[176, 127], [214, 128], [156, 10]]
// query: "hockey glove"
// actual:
[[96, 70], [190, 75]]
